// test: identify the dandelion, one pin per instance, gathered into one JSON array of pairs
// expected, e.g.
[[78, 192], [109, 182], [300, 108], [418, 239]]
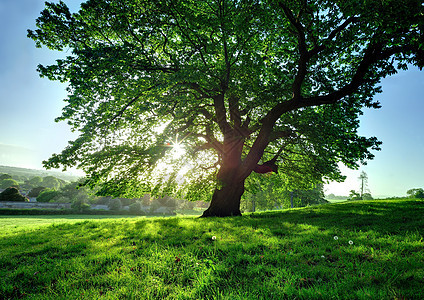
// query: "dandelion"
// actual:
[[336, 237], [213, 238], [350, 242]]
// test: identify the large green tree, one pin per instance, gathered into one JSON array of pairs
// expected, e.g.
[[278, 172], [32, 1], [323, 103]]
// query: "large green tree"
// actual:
[[216, 88]]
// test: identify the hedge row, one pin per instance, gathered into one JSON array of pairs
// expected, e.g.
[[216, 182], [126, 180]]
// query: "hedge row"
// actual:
[[13, 212]]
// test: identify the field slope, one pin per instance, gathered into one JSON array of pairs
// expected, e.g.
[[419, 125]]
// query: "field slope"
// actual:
[[351, 250]]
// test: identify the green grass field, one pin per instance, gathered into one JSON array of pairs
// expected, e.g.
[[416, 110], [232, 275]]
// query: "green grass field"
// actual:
[[350, 250]]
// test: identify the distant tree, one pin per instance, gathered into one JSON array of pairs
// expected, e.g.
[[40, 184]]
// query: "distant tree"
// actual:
[[184, 204], [363, 177], [102, 200], [311, 196], [35, 181], [74, 191], [80, 204], [136, 207], [416, 193], [127, 201], [115, 204], [5, 183], [52, 182], [146, 200], [12, 194], [334, 197], [35, 192], [5, 176], [367, 196], [48, 195], [354, 195]]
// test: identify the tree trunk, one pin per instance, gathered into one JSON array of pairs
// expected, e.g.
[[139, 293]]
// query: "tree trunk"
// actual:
[[226, 198], [226, 201]]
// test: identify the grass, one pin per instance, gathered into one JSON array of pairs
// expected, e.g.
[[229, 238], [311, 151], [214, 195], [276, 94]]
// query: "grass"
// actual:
[[290, 254]]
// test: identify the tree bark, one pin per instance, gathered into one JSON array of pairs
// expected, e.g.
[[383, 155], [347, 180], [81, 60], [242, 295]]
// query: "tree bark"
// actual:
[[226, 198], [226, 201]]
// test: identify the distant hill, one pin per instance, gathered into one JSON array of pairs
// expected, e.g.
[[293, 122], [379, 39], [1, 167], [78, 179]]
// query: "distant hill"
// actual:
[[14, 171]]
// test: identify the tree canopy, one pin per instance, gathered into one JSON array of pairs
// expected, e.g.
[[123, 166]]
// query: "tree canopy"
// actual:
[[215, 88]]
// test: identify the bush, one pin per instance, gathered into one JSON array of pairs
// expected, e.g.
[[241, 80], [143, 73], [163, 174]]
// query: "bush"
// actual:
[[80, 205], [115, 204], [35, 192], [5, 176], [136, 208], [6, 183], [12, 194], [48, 195]]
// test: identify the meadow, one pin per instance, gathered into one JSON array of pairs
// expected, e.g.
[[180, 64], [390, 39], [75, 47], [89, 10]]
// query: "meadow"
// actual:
[[349, 250]]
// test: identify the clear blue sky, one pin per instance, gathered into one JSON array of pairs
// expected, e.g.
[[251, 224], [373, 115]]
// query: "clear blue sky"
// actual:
[[29, 105]]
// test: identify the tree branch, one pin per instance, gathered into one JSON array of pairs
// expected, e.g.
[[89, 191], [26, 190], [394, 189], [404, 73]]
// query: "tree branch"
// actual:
[[221, 113], [275, 135], [235, 111], [332, 35], [303, 51], [372, 54], [121, 112]]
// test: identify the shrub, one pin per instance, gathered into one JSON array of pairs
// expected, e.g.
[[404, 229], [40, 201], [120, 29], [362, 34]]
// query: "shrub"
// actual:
[[12, 194], [80, 205], [6, 183], [5, 176], [115, 204], [35, 192], [48, 195], [136, 208]]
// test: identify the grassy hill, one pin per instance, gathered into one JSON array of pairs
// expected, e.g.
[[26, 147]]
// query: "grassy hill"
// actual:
[[351, 250], [29, 173]]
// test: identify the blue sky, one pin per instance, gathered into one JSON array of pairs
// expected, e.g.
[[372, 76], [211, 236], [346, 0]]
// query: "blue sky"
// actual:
[[29, 105]]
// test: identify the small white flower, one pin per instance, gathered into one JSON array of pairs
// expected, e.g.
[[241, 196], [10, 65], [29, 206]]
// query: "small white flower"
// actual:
[[336, 237], [213, 238], [350, 242], [322, 256]]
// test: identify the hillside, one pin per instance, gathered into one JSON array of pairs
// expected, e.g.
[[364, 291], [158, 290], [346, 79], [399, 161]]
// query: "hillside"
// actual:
[[350, 250], [14, 171]]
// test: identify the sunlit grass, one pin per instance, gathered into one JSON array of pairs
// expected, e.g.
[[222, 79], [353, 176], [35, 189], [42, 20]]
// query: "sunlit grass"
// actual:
[[291, 254]]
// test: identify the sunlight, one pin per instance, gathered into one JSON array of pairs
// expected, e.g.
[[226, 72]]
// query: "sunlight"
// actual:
[[177, 150]]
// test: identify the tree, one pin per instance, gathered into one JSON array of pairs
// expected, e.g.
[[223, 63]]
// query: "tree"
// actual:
[[353, 195], [35, 181], [74, 191], [136, 208], [52, 182], [115, 204], [5, 176], [48, 195], [35, 192], [12, 194], [189, 97], [363, 177], [367, 196], [5, 183], [416, 193]]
